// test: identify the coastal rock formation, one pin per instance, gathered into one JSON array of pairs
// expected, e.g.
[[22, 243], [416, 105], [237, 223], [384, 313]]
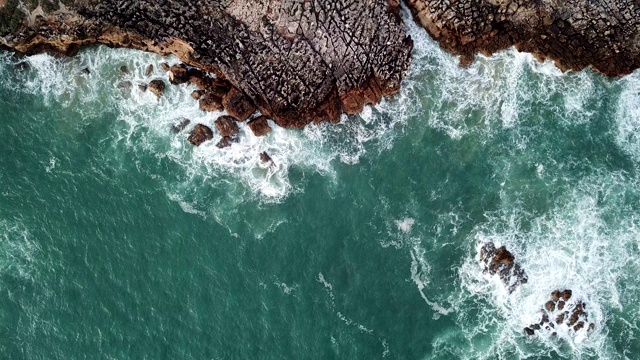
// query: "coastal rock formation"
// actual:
[[563, 311], [502, 263], [259, 126], [200, 134], [574, 33], [298, 61]]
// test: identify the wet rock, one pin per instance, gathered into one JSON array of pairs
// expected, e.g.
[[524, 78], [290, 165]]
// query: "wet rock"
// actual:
[[578, 326], [529, 331], [238, 105], [142, 87], [226, 141], [210, 102], [124, 69], [22, 66], [265, 158], [592, 327], [259, 126], [149, 70], [566, 295], [555, 295], [560, 318], [197, 94], [550, 306], [178, 75], [561, 305], [226, 126], [85, 71], [164, 66], [200, 134], [157, 87], [502, 263], [184, 122]]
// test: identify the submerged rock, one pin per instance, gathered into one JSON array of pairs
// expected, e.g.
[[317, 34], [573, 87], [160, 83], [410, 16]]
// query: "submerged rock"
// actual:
[[149, 70], [178, 75], [227, 126], [200, 134], [176, 128], [210, 102]]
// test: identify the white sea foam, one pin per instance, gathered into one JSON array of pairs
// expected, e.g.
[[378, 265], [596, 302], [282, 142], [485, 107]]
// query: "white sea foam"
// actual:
[[588, 244], [627, 116], [17, 250]]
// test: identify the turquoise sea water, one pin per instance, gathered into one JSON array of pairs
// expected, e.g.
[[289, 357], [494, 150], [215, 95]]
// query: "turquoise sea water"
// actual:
[[119, 240]]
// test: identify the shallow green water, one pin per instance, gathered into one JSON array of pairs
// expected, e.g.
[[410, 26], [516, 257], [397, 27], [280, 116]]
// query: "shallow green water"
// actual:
[[118, 240]]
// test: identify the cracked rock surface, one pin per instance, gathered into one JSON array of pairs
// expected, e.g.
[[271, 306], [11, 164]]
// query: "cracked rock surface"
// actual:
[[572, 33], [299, 61]]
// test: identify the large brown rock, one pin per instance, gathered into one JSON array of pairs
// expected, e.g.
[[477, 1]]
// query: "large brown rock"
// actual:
[[227, 126], [178, 75], [238, 105], [200, 134], [259, 126], [210, 102], [502, 263], [157, 87]]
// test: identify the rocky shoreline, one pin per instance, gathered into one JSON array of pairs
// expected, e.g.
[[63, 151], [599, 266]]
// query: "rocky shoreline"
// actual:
[[300, 62]]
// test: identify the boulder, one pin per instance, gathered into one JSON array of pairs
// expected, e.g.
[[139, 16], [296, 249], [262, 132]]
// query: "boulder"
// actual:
[[259, 126], [157, 87], [502, 263], [238, 105], [200, 134], [178, 75], [265, 158], [226, 126], [142, 87], [85, 71], [149, 70], [164, 66], [124, 69], [226, 141], [210, 102]]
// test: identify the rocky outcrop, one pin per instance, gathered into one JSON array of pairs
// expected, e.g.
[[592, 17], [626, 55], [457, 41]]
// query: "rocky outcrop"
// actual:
[[572, 33], [297, 61], [157, 87], [502, 263], [562, 311], [259, 126]]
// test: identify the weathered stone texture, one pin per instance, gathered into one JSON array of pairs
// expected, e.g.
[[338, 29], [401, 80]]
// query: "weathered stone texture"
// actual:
[[572, 33]]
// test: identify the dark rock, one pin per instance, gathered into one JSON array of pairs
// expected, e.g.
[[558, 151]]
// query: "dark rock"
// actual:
[[265, 158], [124, 69], [560, 318], [561, 305], [226, 141], [578, 326], [502, 263], [142, 87], [200, 134], [566, 295], [149, 70], [157, 87], [592, 327], [259, 126], [550, 306], [164, 66], [238, 105], [85, 71], [529, 331], [178, 75], [555, 295], [197, 94], [226, 126], [210, 102], [184, 122]]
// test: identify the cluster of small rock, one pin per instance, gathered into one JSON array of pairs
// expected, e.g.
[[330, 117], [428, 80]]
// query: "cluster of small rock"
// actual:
[[562, 309]]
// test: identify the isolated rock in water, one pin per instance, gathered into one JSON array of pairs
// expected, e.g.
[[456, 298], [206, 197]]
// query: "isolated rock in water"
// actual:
[[124, 69], [178, 75], [210, 102], [176, 128], [265, 158], [86, 71], [238, 105], [259, 126], [142, 87], [200, 134], [164, 66], [227, 126], [157, 87], [569, 314], [502, 263], [149, 70]]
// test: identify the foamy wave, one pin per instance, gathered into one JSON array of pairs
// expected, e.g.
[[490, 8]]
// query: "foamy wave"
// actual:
[[589, 244], [628, 116], [17, 250]]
